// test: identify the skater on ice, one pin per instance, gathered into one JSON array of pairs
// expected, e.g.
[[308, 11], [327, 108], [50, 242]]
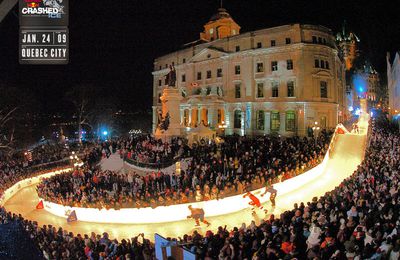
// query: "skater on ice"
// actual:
[[198, 215], [273, 193]]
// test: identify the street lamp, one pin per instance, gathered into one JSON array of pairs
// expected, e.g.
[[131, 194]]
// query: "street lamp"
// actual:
[[315, 129], [75, 160], [222, 127]]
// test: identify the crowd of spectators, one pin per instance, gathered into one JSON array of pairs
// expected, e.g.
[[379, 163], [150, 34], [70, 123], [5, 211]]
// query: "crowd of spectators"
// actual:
[[216, 171], [145, 149], [359, 219], [16, 167], [56, 243]]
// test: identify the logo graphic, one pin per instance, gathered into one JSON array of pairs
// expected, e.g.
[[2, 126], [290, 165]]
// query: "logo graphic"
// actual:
[[39, 8], [55, 4]]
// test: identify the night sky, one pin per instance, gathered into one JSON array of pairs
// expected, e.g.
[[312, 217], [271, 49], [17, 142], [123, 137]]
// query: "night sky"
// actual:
[[113, 43]]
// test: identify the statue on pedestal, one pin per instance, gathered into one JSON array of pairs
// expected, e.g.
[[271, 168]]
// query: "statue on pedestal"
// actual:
[[164, 123], [171, 76]]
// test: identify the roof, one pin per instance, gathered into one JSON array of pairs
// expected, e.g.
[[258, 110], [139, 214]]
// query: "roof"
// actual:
[[222, 13]]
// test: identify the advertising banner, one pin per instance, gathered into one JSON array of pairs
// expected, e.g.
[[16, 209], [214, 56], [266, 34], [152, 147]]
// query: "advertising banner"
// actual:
[[43, 37]]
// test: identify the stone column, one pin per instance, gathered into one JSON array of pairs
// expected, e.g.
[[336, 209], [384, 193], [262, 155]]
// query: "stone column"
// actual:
[[190, 116], [228, 122], [243, 123], [154, 120], [213, 116], [182, 114], [300, 122], [282, 119], [267, 122], [199, 116]]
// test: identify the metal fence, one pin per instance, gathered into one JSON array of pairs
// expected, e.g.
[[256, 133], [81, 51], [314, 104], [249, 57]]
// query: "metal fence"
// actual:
[[155, 166]]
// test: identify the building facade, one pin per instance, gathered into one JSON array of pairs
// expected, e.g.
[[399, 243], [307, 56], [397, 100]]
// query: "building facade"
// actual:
[[393, 75], [277, 80]]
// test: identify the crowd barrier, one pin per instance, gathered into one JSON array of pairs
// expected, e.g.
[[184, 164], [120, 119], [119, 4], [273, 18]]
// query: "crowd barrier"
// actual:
[[169, 213], [10, 192], [152, 166]]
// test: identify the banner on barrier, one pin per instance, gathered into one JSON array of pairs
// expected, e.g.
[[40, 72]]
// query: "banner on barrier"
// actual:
[[72, 217], [40, 205]]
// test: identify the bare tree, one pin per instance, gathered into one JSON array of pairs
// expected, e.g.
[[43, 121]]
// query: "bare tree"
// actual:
[[7, 132], [80, 97]]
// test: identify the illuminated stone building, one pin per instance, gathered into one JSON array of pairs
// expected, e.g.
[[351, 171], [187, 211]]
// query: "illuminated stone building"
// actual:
[[347, 43], [393, 75], [362, 79], [276, 80]]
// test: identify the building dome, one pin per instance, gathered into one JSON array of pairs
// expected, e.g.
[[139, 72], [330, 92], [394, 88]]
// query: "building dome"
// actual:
[[220, 25], [222, 13]]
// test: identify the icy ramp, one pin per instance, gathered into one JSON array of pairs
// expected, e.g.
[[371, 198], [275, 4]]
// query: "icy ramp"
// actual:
[[113, 163]]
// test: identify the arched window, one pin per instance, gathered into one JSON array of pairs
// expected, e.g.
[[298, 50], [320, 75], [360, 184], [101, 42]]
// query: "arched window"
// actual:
[[260, 120], [221, 117], [290, 121], [275, 121], [237, 122], [186, 117], [204, 116]]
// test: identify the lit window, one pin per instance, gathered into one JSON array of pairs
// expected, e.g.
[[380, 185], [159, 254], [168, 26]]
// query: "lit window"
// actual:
[[237, 121], [260, 120], [211, 30], [275, 91], [314, 39], [186, 117], [290, 121], [289, 64], [237, 70], [274, 65], [290, 88], [275, 121], [237, 91], [260, 67], [322, 64], [219, 73], [324, 89], [260, 90], [220, 116]]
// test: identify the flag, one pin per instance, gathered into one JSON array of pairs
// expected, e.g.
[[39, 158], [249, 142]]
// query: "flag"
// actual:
[[340, 131], [72, 217], [40, 205]]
